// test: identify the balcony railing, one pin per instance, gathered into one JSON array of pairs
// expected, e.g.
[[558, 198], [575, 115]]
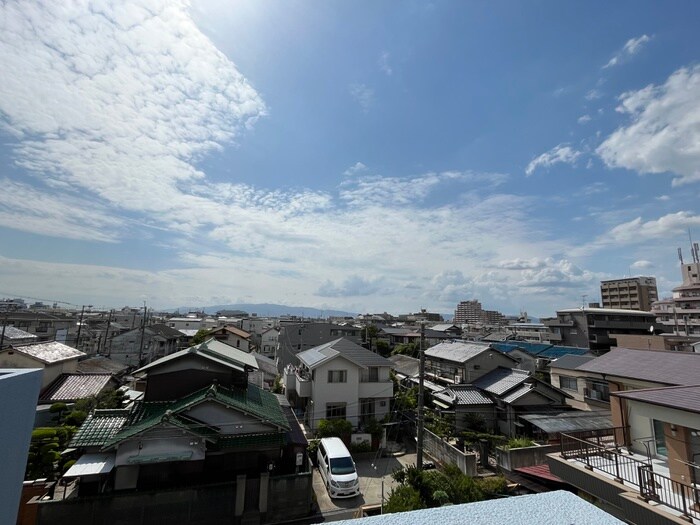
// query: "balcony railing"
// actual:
[[602, 451], [679, 496]]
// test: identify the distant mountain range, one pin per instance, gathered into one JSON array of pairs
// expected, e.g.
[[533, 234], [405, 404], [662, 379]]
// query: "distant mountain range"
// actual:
[[267, 309]]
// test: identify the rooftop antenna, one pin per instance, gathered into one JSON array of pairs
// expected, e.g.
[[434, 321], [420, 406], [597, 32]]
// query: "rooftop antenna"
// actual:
[[680, 255], [697, 252], [583, 301]]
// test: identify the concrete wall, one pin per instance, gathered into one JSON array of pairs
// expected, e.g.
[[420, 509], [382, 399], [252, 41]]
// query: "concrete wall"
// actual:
[[19, 390], [442, 452], [510, 459]]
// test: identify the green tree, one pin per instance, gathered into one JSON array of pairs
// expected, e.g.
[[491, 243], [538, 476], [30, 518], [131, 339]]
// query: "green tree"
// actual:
[[200, 336], [383, 348], [409, 349], [44, 459]]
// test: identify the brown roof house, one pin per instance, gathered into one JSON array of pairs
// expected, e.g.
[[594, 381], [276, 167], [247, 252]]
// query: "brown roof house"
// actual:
[[646, 463]]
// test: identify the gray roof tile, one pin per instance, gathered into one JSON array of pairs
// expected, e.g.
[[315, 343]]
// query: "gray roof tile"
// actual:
[[671, 368], [349, 350], [51, 352], [685, 398], [501, 380], [458, 352], [71, 387]]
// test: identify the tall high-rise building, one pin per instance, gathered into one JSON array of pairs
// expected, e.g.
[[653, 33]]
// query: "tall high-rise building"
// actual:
[[633, 293], [471, 312], [681, 314]]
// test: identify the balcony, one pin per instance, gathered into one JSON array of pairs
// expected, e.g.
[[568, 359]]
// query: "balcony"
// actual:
[[639, 485], [302, 385]]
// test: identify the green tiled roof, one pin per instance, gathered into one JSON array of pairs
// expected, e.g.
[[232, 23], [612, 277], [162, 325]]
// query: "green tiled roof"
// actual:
[[99, 427], [254, 401], [250, 441]]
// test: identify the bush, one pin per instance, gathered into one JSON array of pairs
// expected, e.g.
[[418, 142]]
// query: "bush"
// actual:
[[334, 428], [361, 447], [493, 486], [519, 442], [403, 498]]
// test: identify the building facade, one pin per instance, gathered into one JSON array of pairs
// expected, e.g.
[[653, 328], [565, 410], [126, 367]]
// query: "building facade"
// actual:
[[633, 293]]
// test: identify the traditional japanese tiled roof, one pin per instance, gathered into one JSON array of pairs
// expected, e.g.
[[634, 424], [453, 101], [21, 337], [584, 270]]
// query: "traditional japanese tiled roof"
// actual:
[[99, 427], [48, 353], [71, 387], [501, 380], [101, 365], [253, 400]]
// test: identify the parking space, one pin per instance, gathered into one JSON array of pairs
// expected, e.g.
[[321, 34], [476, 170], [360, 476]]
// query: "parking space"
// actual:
[[372, 473]]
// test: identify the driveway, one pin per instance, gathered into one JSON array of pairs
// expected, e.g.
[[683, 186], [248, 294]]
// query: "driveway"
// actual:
[[371, 474]]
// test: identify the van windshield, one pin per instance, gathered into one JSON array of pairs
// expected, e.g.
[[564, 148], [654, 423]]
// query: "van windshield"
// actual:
[[342, 466]]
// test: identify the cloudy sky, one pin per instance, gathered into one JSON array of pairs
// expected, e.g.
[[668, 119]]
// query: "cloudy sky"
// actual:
[[358, 155]]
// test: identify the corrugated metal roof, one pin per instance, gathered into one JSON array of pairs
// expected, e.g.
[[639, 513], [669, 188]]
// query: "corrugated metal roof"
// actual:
[[91, 464], [51, 352], [457, 352], [501, 380], [71, 387], [685, 398], [670, 368], [569, 421]]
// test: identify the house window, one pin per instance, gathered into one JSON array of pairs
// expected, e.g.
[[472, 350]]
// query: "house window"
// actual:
[[338, 376], [371, 375], [335, 410], [569, 383], [660, 438], [598, 391]]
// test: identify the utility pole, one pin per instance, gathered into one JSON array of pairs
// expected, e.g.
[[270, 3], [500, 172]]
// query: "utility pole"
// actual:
[[109, 323], [419, 419], [143, 331], [2, 336], [80, 326]]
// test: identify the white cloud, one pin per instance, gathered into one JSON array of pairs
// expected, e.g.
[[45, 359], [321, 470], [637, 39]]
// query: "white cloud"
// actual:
[[631, 48], [557, 276], [521, 264], [642, 264], [663, 198], [562, 153], [119, 102], [363, 95], [353, 286], [593, 94], [384, 64], [664, 132], [583, 119], [355, 169], [637, 231]]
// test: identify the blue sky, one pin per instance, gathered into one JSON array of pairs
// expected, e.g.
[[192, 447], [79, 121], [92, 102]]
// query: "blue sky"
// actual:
[[366, 156]]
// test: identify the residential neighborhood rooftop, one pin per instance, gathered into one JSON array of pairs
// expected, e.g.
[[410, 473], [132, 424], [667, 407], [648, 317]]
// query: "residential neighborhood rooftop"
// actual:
[[48, 353], [671, 368], [569, 361], [501, 380], [686, 398], [457, 351], [11, 333], [572, 421], [353, 352], [71, 387]]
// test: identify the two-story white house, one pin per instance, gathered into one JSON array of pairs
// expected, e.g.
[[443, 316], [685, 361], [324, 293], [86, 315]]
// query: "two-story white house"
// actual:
[[340, 379]]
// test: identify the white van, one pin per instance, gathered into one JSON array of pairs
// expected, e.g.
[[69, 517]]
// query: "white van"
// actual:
[[337, 468]]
